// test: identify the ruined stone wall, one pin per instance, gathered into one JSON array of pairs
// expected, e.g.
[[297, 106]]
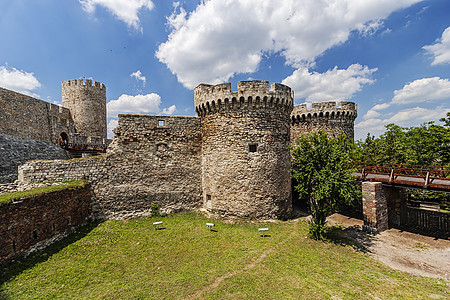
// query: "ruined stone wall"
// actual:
[[27, 117], [17, 150], [152, 160], [92, 169], [87, 103], [38, 220], [326, 116], [245, 159]]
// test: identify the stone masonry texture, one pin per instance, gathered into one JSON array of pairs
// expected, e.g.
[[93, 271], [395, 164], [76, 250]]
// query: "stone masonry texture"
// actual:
[[32, 129], [331, 117], [17, 150], [86, 101], [35, 221], [27, 117], [375, 208], [233, 159], [245, 155], [151, 160]]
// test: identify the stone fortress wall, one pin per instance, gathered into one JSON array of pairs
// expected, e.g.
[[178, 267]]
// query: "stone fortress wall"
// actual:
[[245, 156], [330, 117], [232, 159], [31, 118], [31, 128], [39, 220], [152, 160], [86, 101]]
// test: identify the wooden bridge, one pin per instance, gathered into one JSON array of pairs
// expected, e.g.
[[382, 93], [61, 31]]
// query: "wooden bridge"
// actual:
[[436, 178]]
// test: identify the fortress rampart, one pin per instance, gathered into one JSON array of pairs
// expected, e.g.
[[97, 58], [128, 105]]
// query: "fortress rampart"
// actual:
[[250, 95], [233, 159], [86, 101], [33, 129], [28, 117], [331, 117], [37, 221], [245, 158]]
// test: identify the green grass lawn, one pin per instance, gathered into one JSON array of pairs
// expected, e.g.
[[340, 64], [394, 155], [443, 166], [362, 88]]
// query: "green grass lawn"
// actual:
[[8, 197], [129, 259]]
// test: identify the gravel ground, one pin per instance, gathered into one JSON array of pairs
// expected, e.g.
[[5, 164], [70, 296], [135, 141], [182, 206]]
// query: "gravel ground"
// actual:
[[405, 251]]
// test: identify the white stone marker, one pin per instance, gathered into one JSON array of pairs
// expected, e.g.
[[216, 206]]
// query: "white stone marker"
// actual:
[[156, 225], [210, 225], [263, 230]]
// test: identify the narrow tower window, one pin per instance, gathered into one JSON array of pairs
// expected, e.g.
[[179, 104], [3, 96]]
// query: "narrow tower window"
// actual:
[[252, 147], [161, 123]]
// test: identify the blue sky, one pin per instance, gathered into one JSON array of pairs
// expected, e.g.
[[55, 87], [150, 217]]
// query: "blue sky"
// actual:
[[390, 57]]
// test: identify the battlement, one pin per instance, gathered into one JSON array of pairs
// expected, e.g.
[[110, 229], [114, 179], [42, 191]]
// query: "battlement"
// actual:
[[328, 110], [83, 82], [249, 94]]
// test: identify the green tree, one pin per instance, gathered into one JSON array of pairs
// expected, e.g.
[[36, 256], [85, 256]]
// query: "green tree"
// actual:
[[320, 168], [426, 144]]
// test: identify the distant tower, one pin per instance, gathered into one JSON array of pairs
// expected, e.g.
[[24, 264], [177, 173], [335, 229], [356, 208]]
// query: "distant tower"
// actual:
[[330, 117], [245, 155], [87, 105]]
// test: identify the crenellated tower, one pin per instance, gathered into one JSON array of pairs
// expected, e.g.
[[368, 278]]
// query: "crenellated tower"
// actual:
[[86, 101], [330, 117], [245, 155]]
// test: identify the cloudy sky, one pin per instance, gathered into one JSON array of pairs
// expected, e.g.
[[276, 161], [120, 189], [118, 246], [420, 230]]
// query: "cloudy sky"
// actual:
[[390, 57]]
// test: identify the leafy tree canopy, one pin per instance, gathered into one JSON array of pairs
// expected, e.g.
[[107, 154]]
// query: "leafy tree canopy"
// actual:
[[427, 144], [320, 168]]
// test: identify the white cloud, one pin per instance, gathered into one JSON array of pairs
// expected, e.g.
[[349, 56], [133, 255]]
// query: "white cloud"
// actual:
[[139, 104], [124, 10], [406, 117], [373, 112], [381, 106], [423, 90], [440, 50], [18, 80], [225, 37], [138, 75], [336, 84], [168, 111], [111, 125]]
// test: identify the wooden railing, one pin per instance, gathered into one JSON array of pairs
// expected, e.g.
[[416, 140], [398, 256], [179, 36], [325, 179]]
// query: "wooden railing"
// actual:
[[432, 176]]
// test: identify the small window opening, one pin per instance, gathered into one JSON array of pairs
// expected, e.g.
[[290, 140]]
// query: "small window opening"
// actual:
[[161, 123], [53, 227], [208, 197], [252, 147], [14, 246], [34, 234]]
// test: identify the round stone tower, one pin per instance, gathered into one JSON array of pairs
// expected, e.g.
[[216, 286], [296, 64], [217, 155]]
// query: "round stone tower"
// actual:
[[245, 155], [87, 105], [329, 117]]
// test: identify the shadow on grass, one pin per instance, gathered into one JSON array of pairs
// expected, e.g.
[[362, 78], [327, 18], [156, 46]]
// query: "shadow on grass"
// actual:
[[20, 264], [349, 236]]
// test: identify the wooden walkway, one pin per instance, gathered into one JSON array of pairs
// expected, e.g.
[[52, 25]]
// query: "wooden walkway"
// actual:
[[436, 178]]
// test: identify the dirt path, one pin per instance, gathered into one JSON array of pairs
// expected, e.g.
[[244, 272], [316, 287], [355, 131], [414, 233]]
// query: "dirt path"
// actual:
[[400, 250]]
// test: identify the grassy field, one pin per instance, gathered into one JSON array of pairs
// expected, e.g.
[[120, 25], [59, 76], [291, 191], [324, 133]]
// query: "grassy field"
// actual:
[[129, 259]]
